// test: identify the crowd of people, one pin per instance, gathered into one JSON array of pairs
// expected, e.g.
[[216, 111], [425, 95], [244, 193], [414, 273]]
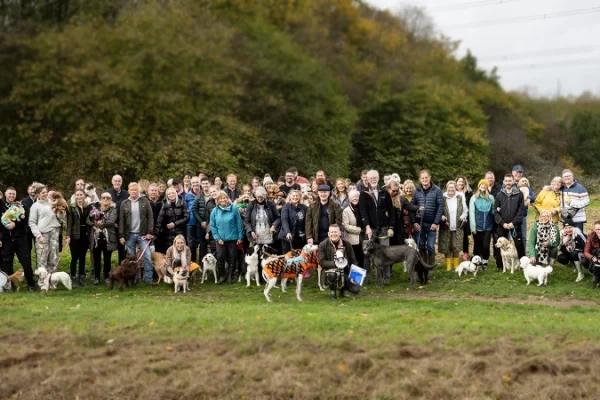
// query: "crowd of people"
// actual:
[[190, 217]]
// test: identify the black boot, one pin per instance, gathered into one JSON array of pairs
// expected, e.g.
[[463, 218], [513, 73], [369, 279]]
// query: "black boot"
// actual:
[[75, 280], [222, 274], [232, 271], [81, 280]]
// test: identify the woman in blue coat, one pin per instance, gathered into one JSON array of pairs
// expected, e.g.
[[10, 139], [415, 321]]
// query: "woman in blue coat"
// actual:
[[226, 228], [293, 213]]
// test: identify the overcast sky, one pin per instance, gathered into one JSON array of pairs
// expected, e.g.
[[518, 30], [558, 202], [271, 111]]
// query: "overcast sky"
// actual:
[[567, 49]]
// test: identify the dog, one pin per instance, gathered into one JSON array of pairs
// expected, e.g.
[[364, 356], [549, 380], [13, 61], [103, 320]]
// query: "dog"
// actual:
[[410, 242], [158, 260], [470, 266], [508, 251], [4, 282], [382, 256], [14, 213], [289, 266], [50, 280], [533, 272], [180, 279], [125, 273], [252, 258], [209, 263], [91, 197], [59, 205], [15, 279]]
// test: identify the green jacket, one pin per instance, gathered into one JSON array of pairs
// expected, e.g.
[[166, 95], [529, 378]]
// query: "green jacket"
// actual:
[[533, 239], [312, 218]]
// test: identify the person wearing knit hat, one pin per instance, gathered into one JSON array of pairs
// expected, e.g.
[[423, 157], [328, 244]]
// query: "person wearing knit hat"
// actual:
[[481, 220], [262, 219]]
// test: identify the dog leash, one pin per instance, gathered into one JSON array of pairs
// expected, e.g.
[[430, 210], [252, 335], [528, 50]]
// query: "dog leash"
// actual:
[[143, 251]]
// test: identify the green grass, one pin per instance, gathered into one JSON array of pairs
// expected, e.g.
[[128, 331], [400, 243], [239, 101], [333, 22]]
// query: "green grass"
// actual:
[[453, 311]]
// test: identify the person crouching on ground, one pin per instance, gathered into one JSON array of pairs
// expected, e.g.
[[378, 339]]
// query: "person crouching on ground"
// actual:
[[178, 255], [327, 250], [572, 247]]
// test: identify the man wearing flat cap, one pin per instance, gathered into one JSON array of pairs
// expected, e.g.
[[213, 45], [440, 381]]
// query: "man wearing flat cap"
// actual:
[[320, 215]]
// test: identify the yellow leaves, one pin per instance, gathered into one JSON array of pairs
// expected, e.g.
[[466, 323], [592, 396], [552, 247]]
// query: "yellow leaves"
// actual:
[[342, 368]]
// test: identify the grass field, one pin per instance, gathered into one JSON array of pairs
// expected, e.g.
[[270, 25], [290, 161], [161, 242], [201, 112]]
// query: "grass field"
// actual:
[[489, 337]]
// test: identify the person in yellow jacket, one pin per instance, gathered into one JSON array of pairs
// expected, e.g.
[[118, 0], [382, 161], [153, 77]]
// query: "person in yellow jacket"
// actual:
[[550, 199]]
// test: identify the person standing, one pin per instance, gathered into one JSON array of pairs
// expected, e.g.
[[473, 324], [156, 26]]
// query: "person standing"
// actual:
[[262, 219], [452, 228], [45, 226], [14, 240], [340, 193], [579, 198], [402, 207], [352, 227], [27, 202], [292, 233], [193, 225], [508, 214], [102, 220], [173, 216], [289, 184], [481, 219], [77, 235], [136, 226], [377, 211], [462, 186], [159, 244], [227, 231], [320, 215], [232, 190], [427, 222], [118, 196]]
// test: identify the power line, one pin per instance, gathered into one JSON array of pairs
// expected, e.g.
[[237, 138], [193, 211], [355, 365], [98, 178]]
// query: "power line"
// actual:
[[527, 18], [473, 4], [563, 63], [541, 53]]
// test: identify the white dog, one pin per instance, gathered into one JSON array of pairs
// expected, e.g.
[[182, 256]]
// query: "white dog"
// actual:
[[508, 251], [252, 265], [470, 266], [209, 263], [49, 281], [533, 272], [180, 279], [412, 244]]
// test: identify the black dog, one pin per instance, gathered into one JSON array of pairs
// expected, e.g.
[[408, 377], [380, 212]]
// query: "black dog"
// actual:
[[383, 256]]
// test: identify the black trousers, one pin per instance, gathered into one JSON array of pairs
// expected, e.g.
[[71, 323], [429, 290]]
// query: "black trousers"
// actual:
[[227, 252], [18, 245], [481, 241], [79, 248], [99, 252]]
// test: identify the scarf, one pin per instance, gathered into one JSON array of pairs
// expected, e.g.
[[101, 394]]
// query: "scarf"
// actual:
[[181, 256], [545, 233]]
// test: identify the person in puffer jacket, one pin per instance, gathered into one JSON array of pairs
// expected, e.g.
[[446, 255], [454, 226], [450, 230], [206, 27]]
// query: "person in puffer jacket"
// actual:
[[427, 222], [481, 218], [173, 217]]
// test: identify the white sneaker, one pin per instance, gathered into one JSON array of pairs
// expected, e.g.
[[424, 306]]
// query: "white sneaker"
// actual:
[[579, 277]]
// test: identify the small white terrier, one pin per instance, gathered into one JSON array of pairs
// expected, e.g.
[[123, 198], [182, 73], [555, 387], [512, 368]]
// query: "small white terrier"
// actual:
[[533, 272], [209, 263], [470, 266], [49, 281]]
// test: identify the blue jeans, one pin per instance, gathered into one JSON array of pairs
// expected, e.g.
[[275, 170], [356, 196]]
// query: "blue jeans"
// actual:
[[426, 239], [135, 239]]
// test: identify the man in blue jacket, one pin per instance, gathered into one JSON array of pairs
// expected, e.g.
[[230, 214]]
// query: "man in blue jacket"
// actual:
[[426, 222]]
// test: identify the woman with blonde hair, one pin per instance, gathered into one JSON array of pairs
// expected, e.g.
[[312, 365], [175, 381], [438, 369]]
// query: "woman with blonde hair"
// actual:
[[178, 255], [293, 213], [451, 229], [481, 220], [402, 208], [409, 189], [340, 193], [544, 240]]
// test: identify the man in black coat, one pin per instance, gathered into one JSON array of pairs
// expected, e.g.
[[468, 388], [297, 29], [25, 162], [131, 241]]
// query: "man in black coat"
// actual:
[[13, 240], [377, 210], [508, 214]]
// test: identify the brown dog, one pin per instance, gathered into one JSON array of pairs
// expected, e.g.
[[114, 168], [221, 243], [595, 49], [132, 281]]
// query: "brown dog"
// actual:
[[16, 279], [158, 259], [124, 273]]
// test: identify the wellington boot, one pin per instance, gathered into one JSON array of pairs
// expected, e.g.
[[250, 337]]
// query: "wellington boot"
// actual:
[[222, 274], [448, 264], [455, 262]]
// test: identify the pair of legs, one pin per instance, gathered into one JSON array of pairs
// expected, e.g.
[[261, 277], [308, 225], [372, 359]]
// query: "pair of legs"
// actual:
[[425, 239], [481, 242], [453, 252], [18, 245], [136, 240], [79, 248], [98, 253], [193, 240], [47, 253], [227, 252]]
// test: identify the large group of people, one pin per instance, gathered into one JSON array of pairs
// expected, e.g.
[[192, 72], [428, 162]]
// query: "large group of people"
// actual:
[[188, 218]]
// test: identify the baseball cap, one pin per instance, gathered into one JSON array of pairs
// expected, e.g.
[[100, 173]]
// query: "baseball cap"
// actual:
[[518, 168]]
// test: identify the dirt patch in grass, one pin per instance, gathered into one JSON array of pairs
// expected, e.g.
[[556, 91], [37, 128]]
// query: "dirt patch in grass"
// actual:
[[44, 366], [530, 300]]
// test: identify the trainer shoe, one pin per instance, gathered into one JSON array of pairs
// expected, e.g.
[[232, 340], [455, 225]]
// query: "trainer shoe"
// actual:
[[31, 288], [95, 281]]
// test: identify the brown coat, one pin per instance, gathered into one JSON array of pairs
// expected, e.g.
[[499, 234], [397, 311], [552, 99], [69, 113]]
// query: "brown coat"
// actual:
[[312, 217]]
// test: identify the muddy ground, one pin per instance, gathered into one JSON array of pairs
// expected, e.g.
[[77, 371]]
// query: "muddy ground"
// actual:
[[62, 367]]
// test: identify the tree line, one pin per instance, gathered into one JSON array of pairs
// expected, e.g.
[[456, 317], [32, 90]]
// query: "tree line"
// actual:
[[156, 87]]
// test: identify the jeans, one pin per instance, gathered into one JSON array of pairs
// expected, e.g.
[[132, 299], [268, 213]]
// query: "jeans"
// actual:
[[426, 239], [193, 240], [135, 239]]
